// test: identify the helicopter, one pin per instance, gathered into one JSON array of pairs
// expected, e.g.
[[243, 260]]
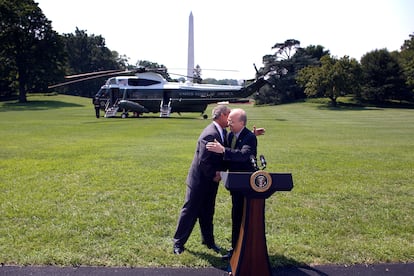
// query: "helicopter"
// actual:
[[148, 91]]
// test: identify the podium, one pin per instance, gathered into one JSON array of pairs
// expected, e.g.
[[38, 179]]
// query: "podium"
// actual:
[[250, 257]]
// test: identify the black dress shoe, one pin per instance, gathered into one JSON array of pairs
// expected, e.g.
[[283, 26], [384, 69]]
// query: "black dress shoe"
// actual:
[[214, 246], [178, 249]]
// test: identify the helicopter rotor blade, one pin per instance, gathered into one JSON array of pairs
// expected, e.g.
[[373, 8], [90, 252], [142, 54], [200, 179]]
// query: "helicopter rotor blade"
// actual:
[[93, 75], [181, 75], [208, 69]]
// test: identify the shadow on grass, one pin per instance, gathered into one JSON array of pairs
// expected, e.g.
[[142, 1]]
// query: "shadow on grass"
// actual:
[[214, 260], [357, 106], [347, 107], [36, 105], [281, 265]]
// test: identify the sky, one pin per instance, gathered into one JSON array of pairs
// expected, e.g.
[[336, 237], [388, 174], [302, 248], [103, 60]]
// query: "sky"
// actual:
[[231, 35]]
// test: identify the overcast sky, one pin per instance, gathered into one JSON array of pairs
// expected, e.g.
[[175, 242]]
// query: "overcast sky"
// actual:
[[231, 34]]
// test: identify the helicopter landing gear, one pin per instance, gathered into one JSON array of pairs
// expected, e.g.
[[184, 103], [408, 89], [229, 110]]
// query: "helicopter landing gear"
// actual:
[[124, 115]]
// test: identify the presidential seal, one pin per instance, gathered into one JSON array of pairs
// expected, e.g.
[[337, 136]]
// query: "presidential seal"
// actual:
[[260, 181]]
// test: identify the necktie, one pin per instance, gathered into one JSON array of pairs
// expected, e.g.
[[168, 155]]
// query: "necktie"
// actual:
[[233, 141], [224, 133]]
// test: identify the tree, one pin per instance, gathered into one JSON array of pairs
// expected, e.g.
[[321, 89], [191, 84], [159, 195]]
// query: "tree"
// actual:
[[286, 49], [406, 58], [278, 65], [88, 53], [288, 59], [313, 53], [30, 51], [332, 79], [382, 77], [197, 74], [154, 66]]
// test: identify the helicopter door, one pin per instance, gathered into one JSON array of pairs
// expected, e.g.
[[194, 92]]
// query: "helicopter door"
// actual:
[[165, 108], [166, 98], [115, 95]]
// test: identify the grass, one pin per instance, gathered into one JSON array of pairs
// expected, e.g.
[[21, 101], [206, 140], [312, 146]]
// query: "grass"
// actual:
[[76, 190]]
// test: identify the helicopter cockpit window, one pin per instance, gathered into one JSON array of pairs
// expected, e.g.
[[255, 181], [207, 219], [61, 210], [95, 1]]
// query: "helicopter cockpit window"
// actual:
[[112, 81], [102, 93], [142, 82]]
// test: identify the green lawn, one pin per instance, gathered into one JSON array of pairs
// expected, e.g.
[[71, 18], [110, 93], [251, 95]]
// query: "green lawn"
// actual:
[[76, 190]]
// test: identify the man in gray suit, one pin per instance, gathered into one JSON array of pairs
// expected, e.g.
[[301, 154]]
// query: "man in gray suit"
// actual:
[[237, 152], [202, 184]]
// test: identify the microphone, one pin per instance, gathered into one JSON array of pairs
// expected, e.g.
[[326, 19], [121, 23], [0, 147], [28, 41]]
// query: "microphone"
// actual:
[[263, 161], [254, 162]]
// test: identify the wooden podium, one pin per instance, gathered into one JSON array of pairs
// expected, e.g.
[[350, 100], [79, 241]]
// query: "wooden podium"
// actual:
[[250, 256]]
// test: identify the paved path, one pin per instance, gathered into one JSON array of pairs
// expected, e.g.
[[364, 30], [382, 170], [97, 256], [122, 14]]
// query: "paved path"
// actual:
[[334, 270]]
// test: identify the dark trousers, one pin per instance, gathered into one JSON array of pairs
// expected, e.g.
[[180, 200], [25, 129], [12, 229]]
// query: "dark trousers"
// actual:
[[97, 111], [237, 200], [199, 204]]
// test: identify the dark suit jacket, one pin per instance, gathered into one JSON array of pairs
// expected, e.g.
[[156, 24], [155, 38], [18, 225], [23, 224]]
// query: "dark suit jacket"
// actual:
[[238, 159], [205, 163]]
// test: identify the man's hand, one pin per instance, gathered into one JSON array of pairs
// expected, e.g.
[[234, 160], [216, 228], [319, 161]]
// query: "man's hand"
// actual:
[[258, 131], [215, 147], [217, 178]]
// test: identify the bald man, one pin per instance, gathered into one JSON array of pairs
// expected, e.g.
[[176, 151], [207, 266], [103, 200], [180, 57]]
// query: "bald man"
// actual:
[[241, 144]]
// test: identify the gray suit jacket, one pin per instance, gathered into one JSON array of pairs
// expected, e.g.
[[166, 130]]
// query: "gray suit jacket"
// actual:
[[205, 164]]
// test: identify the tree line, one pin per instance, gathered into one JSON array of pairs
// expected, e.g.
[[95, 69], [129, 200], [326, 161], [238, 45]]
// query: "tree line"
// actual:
[[33, 56], [380, 77]]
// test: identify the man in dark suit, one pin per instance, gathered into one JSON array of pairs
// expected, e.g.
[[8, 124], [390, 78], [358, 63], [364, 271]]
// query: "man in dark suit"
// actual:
[[240, 146], [202, 184]]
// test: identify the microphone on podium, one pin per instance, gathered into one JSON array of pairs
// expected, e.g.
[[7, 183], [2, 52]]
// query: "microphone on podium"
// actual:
[[263, 161], [254, 162]]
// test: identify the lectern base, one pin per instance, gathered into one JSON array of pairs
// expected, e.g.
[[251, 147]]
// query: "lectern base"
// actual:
[[250, 256]]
